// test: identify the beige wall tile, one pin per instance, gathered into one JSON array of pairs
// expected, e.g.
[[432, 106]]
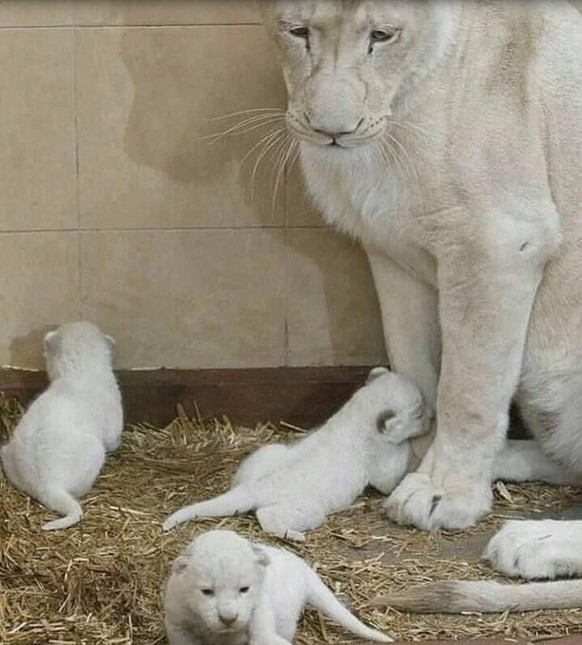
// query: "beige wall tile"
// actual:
[[188, 299], [37, 130], [166, 12], [39, 291], [146, 97], [333, 314], [35, 13]]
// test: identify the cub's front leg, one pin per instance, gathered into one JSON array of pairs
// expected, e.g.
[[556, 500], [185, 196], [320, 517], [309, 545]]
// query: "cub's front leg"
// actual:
[[263, 625], [487, 286]]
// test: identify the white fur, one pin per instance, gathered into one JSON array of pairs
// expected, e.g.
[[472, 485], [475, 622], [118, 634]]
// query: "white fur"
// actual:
[[59, 446], [255, 595], [457, 165], [293, 488]]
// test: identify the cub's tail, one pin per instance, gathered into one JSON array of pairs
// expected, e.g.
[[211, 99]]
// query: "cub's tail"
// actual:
[[453, 597], [237, 500], [58, 499], [324, 600]]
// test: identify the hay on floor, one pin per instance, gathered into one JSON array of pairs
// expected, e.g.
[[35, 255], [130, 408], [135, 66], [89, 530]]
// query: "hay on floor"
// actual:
[[100, 582]]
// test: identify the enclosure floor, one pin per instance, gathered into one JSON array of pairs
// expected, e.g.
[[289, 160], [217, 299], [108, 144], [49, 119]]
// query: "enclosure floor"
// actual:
[[100, 582]]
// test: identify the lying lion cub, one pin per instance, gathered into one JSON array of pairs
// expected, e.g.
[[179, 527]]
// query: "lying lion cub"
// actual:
[[59, 445], [293, 488], [225, 590]]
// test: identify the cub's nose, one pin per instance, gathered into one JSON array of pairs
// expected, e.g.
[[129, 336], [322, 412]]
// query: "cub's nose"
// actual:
[[228, 620]]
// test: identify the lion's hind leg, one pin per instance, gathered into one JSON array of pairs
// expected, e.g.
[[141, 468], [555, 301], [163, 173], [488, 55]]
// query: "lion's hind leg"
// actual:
[[538, 549]]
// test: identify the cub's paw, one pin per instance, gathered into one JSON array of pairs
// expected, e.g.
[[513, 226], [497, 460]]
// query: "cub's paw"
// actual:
[[537, 550], [418, 502]]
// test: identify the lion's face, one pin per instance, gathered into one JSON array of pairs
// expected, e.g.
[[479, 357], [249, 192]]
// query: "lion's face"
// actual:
[[345, 62]]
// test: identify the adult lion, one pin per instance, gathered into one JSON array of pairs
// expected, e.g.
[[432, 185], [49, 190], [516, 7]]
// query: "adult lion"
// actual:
[[447, 137]]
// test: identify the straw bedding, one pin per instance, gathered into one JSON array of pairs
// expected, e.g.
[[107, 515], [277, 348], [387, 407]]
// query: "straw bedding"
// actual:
[[100, 582]]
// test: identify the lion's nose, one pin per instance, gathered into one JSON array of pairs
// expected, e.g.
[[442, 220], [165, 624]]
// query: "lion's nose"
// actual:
[[333, 131]]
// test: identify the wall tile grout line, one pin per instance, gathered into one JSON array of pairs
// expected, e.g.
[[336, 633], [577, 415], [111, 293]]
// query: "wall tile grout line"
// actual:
[[128, 26], [192, 229], [77, 177]]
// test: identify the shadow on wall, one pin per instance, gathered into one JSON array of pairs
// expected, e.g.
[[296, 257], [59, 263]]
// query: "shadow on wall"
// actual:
[[28, 349], [182, 86], [180, 92]]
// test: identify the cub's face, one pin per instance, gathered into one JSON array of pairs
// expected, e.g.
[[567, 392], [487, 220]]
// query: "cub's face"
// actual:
[[222, 585], [345, 62]]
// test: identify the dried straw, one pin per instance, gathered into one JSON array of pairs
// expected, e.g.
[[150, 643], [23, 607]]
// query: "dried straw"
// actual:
[[100, 582]]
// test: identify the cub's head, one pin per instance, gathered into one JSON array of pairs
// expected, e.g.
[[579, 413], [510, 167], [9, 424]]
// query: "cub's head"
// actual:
[[346, 62], [77, 347], [220, 576], [396, 405], [397, 417]]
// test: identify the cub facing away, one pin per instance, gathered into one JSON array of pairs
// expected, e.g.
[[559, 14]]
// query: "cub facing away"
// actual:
[[59, 446], [225, 590], [293, 488]]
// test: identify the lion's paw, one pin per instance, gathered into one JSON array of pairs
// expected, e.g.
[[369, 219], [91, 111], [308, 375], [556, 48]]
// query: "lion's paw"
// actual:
[[418, 502], [537, 550]]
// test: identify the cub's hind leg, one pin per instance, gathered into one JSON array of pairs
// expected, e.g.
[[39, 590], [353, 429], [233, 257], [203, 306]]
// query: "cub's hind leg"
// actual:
[[289, 522]]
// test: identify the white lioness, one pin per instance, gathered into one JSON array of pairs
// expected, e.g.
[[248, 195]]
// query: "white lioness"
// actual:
[[292, 488], [59, 446], [447, 137], [225, 590]]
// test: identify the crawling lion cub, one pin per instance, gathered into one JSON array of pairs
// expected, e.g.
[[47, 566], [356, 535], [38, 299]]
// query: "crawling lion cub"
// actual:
[[293, 488], [225, 590], [59, 445]]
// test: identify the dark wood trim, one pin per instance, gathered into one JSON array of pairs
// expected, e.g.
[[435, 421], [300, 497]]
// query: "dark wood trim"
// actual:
[[301, 396], [304, 396]]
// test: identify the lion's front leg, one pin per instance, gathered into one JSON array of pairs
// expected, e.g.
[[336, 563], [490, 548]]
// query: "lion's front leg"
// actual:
[[410, 323], [486, 294]]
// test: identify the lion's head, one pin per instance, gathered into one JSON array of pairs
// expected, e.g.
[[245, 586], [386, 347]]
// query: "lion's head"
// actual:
[[347, 62]]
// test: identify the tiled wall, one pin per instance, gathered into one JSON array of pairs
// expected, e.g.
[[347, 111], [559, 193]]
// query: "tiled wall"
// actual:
[[116, 206]]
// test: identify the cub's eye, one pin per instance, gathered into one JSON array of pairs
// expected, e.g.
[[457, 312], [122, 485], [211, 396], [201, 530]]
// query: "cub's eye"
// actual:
[[207, 592], [243, 590], [385, 35], [300, 32]]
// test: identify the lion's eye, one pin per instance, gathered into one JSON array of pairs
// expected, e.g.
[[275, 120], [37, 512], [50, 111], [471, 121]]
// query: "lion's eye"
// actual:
[[384, 35], [243, 590], [300, 32], [207, 592]]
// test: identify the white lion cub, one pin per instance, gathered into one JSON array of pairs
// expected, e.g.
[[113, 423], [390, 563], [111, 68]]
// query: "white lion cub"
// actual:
[[59, 445], [293, 488], [225, 590]]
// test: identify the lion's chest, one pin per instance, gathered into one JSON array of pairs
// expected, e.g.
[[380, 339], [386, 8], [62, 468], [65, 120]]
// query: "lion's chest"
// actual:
[[375, 204]]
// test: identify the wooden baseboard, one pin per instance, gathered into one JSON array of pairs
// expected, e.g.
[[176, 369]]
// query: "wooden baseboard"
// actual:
[[301, 396]]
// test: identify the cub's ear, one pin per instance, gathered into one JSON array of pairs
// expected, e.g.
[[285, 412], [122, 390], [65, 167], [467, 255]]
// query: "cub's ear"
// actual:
[[180, 564], [392, 425], [52, 343], [398, 427], [375, 373], [110, 341], [262, 558]]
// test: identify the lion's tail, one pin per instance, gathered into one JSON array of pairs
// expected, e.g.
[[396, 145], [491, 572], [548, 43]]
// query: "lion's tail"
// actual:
[[453, 597]]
